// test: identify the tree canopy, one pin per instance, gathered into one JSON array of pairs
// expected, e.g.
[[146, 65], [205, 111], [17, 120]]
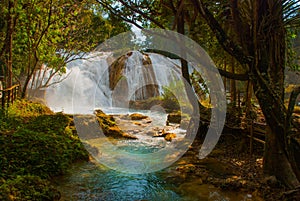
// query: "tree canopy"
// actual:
[[39, 34]]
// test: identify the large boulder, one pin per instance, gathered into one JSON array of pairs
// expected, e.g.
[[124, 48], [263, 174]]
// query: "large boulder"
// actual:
[[174, 117]]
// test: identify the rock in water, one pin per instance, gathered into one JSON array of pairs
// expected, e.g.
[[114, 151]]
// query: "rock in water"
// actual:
[[137, 116], [110, 127], [174, 117], [170, 136]]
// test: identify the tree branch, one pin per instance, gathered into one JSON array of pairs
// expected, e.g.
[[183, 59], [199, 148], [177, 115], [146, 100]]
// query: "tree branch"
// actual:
[[234, 76], [118, 14], [228, 45], [133, 8]]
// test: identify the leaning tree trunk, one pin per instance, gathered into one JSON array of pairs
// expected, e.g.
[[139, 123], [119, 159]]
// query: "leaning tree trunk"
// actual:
[[276, 157], [267, 76]]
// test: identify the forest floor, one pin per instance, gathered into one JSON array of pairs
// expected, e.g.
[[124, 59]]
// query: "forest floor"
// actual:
[[231, 167]]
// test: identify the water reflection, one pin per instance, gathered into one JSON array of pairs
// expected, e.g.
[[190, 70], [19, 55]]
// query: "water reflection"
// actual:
[[91, 182], [95, 182]]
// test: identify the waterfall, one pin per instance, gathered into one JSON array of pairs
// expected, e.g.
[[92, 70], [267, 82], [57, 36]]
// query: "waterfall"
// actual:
[[138, 75], [166, 72], [86, 84]]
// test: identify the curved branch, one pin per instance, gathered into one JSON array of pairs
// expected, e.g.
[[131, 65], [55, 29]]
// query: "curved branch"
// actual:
[[234, 76], [228, 45]]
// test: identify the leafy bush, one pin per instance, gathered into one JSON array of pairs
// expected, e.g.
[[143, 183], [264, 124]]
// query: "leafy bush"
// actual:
[[26, 109], [34, 141], [23, 188], [42, 154]]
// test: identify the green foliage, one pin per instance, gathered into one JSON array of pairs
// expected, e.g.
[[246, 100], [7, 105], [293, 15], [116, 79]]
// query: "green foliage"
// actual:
[[35, 141], [28, 187], [170, 101], [24, 109], [52, 33], [41, 153], [293, 49]]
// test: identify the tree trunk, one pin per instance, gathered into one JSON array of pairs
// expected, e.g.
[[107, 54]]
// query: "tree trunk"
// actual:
[[224, 78], [10, 27], [276, 158], [264, 53], [268, 84], [233, 85]]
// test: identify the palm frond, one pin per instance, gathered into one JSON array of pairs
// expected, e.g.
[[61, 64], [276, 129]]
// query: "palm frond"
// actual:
[[291, 13]]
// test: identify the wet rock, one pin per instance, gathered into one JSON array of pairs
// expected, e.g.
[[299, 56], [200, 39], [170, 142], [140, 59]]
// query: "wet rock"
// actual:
[[116, 71], [136, 131], [170, 136], [117, 78], [178, 118], [137, 123], [144, 104], [174, 117], [109, 126], [137, 116], [124, 117], [217, 167], [156, 129], [159, 134], [186, 168], [152, 133], [148, 121]]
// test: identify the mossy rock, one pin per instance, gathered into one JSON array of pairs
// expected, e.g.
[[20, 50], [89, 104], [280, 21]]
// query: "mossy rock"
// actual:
[[174, 117], [24, 109], [109, 126], [36, 144], [170, 136], [105, 119], [145, 104], [137, 116], [177, 117]]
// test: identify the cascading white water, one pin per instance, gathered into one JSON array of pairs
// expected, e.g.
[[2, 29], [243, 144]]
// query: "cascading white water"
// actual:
[[87, 82], [137, 76], [83, 79], [166, 72]]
